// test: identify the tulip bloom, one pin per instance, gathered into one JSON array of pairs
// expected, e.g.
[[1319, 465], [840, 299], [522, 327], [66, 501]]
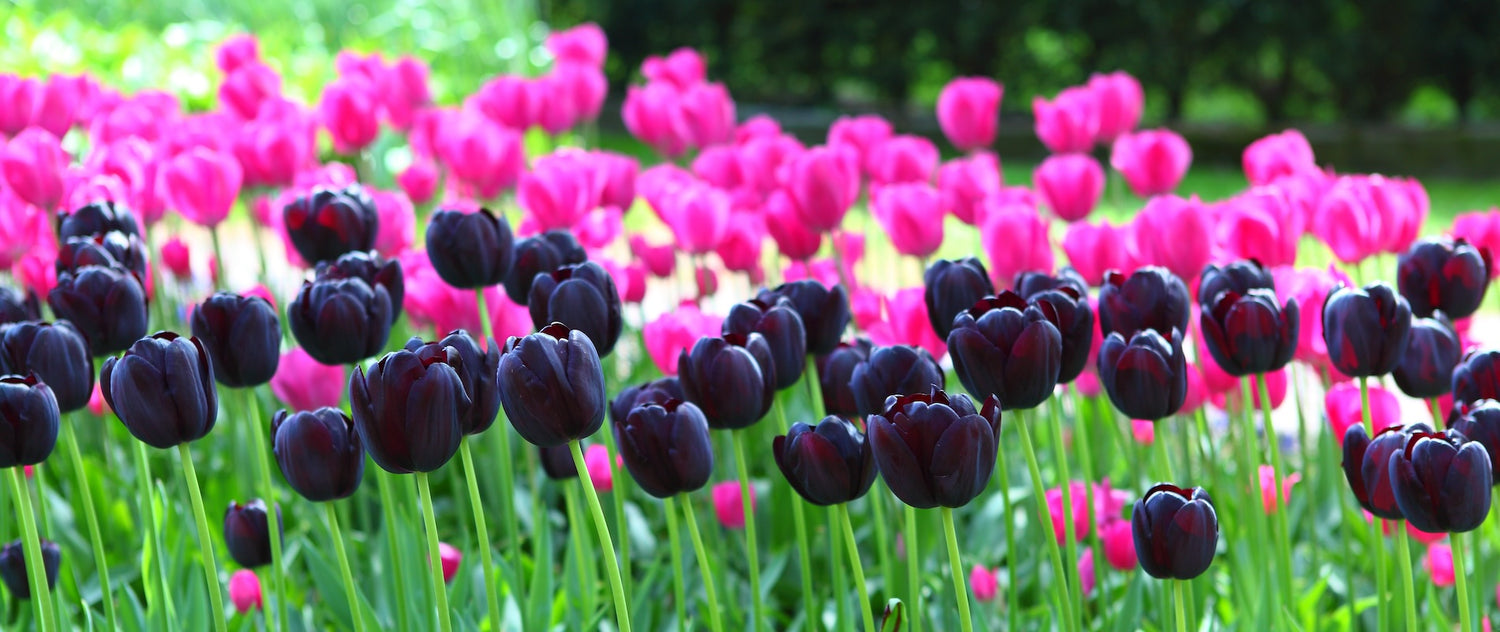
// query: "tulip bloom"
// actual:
[[1174, 233], [107, 304], [247, 533], [1432, 353], [1250, 334], [828, 464], [1119, 99], [33, 164], [905, 212], [1070, 184], [1094, 249], [326, 223], [1176, 531], [1443, 274], [950, 287], [1366, 330], [732, 379], [552, 386], [202, 184], [1016, 239], [968, 111], [408, 410], [1152, 161], [984, 583], [729, 504], [964, 183], [29, 414], [319, 452], [835, 376], [824, 311], [665, 446], [823, 183], [539, 254], [13, 567], [1119, 544], [1342, 406], [162, 389], [341, 321], [1006, 348], [1278, 155], [56, 353], [891, 370], [1150, 298], [244, 591], [1069, 123], [1146, 378], [582, 297], [470, 250], [934, 449], [778, 321], [242, 335], [1442, 482]]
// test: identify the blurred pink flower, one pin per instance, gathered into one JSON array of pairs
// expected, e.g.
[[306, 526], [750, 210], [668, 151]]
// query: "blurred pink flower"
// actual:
[[1093, 249], [18, 101], [572, 93], [419, 181], [404, 91], [617, 174], [62, 100], [246, 87], [1402, 204], [509, 100], [22, 228], [1260, 224], [33, 164], [823, 183], [968, 111], [599, 228], [1342, 406], [1152, 161], [1439, 564], [1086, 578], [901, 319], [653, 113], [202, 185], [1016, 240], [793, 239], [708, 113], [1070, 184], [758, 126], [1481, 228], [964, 183], [244, 591], [861, 135], [698, 215], [1276, 156], [660, 260], [903, 158], [744, 240], [559, 190], [729, 504], [1276, 384], [1269, 502], [397, 222], [274, 147], [130, 118], [484, 155], [1144, 431], [1120, 100], [304, 384], [984, 583], [1174, 233], [676, 331], [1069, 123], [1119, 544], [350, 109], [905, 211], [1348, 220], [451, 558], [582, 44], [176, 257], [596, 459], [36, 270], [682, 68], [235, 51]]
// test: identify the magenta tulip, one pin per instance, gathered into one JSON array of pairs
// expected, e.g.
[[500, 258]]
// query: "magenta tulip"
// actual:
[[682, 68], [1348, 220], [509, 100], [698, 215], [33, 164], [1174, 233], [861, 134], [576, 90], [1016, 240], [1094, 249], [1272, 157], [202, 185], [60, 102], [419, 181], [823, 182], [708, 113], [1070, 184], [303, 383], [1120, 101], [794, 240], [899, 318], [247, 87], [675, 332], [235, 51], [18, 101], [404, 89], [1402, 206], [1480, 228], [903, 158], [481, 154], [1260, 224], [654, 114], [1152, 161], [968, 110], [350, 112], [583, 44], [1068, 123], [964, 183], [559, 190], [908, 213]]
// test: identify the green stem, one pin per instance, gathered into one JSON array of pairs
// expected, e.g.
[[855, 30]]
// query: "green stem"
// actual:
[[356, 613], [858, 568], [434, 555], [1381, 583], [622, 608], [1255, 517], [1012, 562], [1465, 620], [222, 269], [491, 582], [840, 581], [617, 496], [1408, 592], [804, 563], [501, 431], [273, 513], [704, 567], [388, 516], [679, 592], [1180, 601], [1070, 539], [1040, 493], [101, 563], [955, 563], [205, 543], [736, 442], [36, 572], [913, 567], [582, 557], [814, 389], [1279, 527], [884, 554], [156, 590]]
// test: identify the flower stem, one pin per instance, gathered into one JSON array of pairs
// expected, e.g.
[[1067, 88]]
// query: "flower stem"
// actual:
[[840, 580], [1408, 593], [1040, 493], [1375, 535], [956, 566], [804, 563], [1279, 526], [617, 496], [1012, 563], [356, 613], [273, 513], [205, 544], [737, 443], [388, 515], [913, 567], [220, 270], [512, 541], [858, 568], [814, 389], [704, 567], [36, 572], [679, 592], [607, 546], [1255, 517], [157, 590], [1181, 603], [101, 565], [434, 555], [1070, 539], [491, 582], [1465, 620], [583, 557]]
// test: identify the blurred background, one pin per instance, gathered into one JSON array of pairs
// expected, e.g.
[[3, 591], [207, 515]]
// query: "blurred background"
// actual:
[[1380, 85]]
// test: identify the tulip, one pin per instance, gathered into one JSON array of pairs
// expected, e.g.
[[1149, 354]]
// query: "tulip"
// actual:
[[1068, 309], [319, 452], [1094, 249], [617, 173], [1401, 206], [1477, 377], [559, 190], [1367, 465], [449, 557], [176, 257], [968, 111], [476, 369], [13, 567], [349, 109], [1432, 353], [397, 222], [544, 253], [890, 371], [1119, 544], [1152, 161], [409, 410], [1006, 348], [596, 459], [1176, 531], [1366, 330], [729, 504], [242, 335], [824, 311], [1174, 233], [1070, 184], [306, 384], [905, 212], [1151, 298], [698, 215], [247, 533], [934, 449], [32, 164], [707, 114], [1439, 564], [552, 386], [985, 583], [419, 181], [326, 223], [202, 185], [793, 239], [1278, 155], [1342, 406], [581, 296], [583, 44], [1347, 220], [18, 100], [56, 353], [1443, 274], [341, 321], [1250, 334], [781, 326], [1119, 100], [1269, 501], [899, 318], [244, 591], [859, 135], [1239, 277], [245, 89], [731, 378], [1442, 482], [97, 218], [658, 391], [163, 390], [404, 90], [470, 250], [665, 446], [1146, 378], [823, 183], [1143, 431], [952, 286], [106, 304], [903, 158], [1017, 240], [827, 465], [113, 249], [654, 114], [16, 306], [557, 463], [836, 372], [1069, 123], [30, 415]]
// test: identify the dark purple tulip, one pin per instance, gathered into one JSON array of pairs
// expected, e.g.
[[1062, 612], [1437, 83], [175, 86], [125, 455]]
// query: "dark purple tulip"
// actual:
[[1003, 347], [107, 305], [891, 371], [1356, 443], [242, 335], [16, 306], [1443, 273], [409, 410], [476, 369], [1442, 482], [56, 353], [557, 462], [1176, 531], [828, 465], [1374, 466], [1250, 334], [13, 567], [581, 296], [373, 269], [666, 447], [1070, 312], [326, 223], [29, 421], [732, 379], [1480, 422], [779, 323], [1366, 329], [247, 533], [319, 453], [340, 321], [470, 250], [1239, 277], [1432, 352], [1477, 377], [935, 449], [163, 390], [1147, 377], [1029, 284], [824, 312], [109, 249], [1151, 298], [552, 386], [96, 219], [658, 391], [952, 287], [540, 254], [835, 375]]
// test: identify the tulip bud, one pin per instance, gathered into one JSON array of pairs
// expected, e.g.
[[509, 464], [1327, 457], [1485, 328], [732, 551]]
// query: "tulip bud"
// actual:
[[552, 386], [778, 321], [244, 591], [450, 558], [326, 223], [112, 249], [984, 583], [732, 379], [829, 464], [1250, 334], [319, 453], [1445, 274], [835, 375], [1068, 309], [242, 335], [968, 111], [340, 321], [659, 391], [1442, 482], [824, 311], [1151, 161], [1151, 298], [107, 305], [665, 446], [1176, 531], [371, 268], [408, 410], [162, 389], [97, 219], [1432, 353], [1366, 330], [1070, 184], [476, 370], [1146, 378], [934, 449], [1003, 347], [16, 306], [1239, 277], [470, 250], [541, 254], [247, 533], [56, 353], [13, 567], [28, 411], [823, 183], [1119, 544], [582, 297], [952, 286], [890, 371], [729, 504]]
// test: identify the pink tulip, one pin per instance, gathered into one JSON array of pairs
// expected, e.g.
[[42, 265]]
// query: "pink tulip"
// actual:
[[708, 113], [1278, 155], [131, 118], [1342, 406], [617, 172], [583, 44], [634, 292], [698, 215], [1311, 287], [762, 159], [851, 248], [1348, 220], [758, 126], [86, 189], [32, 164], [824, 271], [1120, 101], [403, 88], [659, 260], [177, 258], [576, 90], [97, 405], [721, 166], [1070, 184], [905, 211], [1088, 383], [1143, 430], [419, 181], [793, 239], [968, 110], [36, 271], [559, 190], [1402, 204], [902, 320], [1079, 530], [1119, 544], [247, 87], [596, 459], [350, 110], [1152, 161], [599, 228], [984, 583], [1424, 537], [510, 100], [654, 113], [18, 101], [261, 291], [903, 158], [862, 134], [740, 250], [398, 222], [1174, 233], [1269, 502], [682, 69], [433, 305], [451, 557], [729, 504], [61, 100], [272, 151], [235, 51], [1260, 224], [964, 183], [22, 228], [1093, 249], [304, 384], [244, 591], [823, 183], [1439, 564], [1276, 384], [1481, 228], [366, 67], [1016, 240], [202, 185], [134, 161], [1068, 123], [1086, 577], [677, 331], [485, 156]]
